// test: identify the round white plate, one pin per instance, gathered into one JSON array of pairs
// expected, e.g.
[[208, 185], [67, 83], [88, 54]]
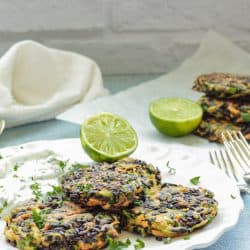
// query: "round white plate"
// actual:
[[188, 164]]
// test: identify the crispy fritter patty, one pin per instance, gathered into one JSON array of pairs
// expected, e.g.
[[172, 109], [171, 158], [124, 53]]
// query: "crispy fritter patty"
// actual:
[[50, 226], [223, 85], [148, 175], [230, 110], [175, 211], [212, 129], [111, 186]]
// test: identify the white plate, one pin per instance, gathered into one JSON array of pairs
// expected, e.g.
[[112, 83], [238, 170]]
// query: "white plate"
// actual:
[[188, 164]]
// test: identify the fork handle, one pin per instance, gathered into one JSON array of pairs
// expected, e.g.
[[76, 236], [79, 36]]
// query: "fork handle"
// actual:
[[244, 189]]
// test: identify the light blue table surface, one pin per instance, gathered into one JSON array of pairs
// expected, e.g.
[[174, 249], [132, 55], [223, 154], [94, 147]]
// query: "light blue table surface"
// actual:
[[236, 239]]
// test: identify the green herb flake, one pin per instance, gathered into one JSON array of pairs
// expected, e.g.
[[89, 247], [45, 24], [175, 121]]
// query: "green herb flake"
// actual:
[[117, 244], [171, 170], [14, 228], [232, 90], [15, 176], [5, 204], [85, 187], [36, 190], [245, 117], [195, 181], [75, 167], [62, 164], [128, 215], [15, 167], [25, 243], [233, 197], [137, 203], [1, 157], [187, 237], [139, 244], [56, 191], [210, 219], [168, 240], [37, 217]]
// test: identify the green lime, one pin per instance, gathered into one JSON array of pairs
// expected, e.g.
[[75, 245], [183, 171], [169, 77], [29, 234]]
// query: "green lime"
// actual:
[[107, 137], [175, 116]]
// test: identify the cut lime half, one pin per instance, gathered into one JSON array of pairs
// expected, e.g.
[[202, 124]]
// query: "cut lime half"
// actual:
[[175, 116], [108, 137]]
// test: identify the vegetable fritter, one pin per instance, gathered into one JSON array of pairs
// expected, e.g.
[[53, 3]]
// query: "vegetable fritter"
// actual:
[[59, 226], [230, 110], [212, 129], [223, 85], [175, 211], [110, 186]]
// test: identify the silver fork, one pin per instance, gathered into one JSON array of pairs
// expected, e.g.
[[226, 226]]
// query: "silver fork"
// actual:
[[234, 159], [2, 126]]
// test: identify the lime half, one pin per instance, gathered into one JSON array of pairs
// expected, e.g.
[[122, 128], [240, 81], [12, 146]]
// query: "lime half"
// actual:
[[108, 137], [175, 116]]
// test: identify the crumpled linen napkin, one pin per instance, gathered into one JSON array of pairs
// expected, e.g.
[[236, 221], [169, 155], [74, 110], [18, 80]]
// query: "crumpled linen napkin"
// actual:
[[37, 83]]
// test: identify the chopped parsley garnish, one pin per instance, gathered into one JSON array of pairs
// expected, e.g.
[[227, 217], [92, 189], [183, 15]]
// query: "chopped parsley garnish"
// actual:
[[171, 170], [25, 242], [232, 196], [37, 217], [187, 237], [128, 215], [195, 181], [14, 228], [139, 244], [56, 191], [137, 203], [85, 187], [15, 167], [5, 204], [209, 219], [1, 157], [75, 167], [62, 164], [15, 176], [168, 240], [36, 190], [117, 244]]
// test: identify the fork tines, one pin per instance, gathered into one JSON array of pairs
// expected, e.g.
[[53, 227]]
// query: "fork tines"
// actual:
[[237, 147], [234, 159], [221, 159]]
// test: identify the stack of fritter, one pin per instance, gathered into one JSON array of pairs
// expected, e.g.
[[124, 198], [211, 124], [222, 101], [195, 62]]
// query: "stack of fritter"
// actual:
[[101, 199], [226, 105]]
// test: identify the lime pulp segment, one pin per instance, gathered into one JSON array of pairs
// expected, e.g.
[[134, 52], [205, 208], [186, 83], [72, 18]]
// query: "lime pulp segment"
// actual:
[[176, 109], [108, 137]]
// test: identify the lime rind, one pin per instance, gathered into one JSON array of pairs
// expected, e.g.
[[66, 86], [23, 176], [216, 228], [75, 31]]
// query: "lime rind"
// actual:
[[108, 137], [176, 103], [175, 116]]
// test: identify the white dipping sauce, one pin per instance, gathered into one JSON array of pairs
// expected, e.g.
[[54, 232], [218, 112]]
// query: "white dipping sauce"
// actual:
[[24, 168]]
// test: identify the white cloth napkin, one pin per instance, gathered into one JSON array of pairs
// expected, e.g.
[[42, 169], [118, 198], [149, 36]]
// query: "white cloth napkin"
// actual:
[[38, 83], [215, 53]]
